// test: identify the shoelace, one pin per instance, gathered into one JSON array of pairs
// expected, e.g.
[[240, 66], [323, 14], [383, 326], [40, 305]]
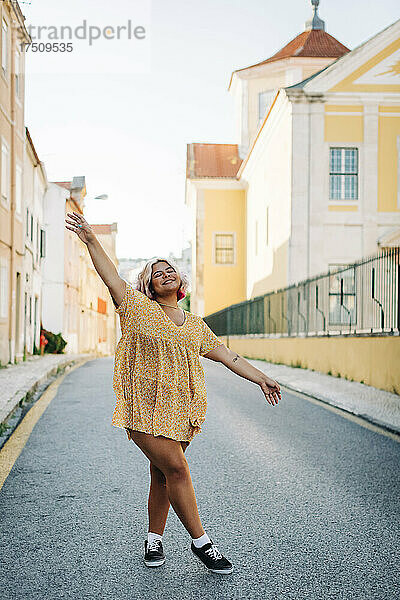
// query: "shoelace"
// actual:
[[154, 545], [214, 552]]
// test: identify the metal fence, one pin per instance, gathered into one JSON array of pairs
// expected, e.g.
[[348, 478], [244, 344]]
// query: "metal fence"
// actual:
[[357, 299]]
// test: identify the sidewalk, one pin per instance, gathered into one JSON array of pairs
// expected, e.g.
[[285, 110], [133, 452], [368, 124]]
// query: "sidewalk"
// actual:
[[374, 405], [19, 382]]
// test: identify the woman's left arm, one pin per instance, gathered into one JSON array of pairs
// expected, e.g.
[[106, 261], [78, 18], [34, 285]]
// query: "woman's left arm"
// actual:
[[242, 367]]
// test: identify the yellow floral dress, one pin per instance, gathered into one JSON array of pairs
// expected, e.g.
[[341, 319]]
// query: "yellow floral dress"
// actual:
[[158, 377]]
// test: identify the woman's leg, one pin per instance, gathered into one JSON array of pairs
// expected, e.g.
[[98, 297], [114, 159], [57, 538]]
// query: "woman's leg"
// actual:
[[158, 504], [168, 456]]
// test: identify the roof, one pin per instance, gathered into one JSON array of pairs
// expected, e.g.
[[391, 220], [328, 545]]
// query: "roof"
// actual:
[[105, 228], [64, 184], [315, 43], [29, 138], [212, 160], [348, 56], [78, 183], [312, 43], [67, 186]]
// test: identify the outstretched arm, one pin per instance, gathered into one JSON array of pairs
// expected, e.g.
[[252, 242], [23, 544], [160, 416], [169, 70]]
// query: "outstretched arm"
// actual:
[[101, 261], [243, 368]]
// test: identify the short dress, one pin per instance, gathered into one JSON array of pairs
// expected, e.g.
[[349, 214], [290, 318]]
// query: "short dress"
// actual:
[[158, 377]]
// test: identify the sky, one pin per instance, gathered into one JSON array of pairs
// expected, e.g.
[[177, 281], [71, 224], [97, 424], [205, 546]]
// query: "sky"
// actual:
[[121, 111]]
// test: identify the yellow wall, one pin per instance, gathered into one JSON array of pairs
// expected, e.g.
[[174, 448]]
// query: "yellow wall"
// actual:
[[349, 128], [224, 210], [371, 360], [339, 207], [343, 127], [388, 157]]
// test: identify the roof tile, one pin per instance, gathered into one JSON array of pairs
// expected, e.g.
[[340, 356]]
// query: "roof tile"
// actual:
[[315, 43], [212, 160]]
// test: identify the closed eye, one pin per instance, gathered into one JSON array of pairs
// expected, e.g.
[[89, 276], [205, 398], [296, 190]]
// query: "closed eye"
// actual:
[[157, 273]]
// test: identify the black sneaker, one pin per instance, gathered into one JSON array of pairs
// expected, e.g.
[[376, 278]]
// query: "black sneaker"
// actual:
[[212, 558], [154, 553]]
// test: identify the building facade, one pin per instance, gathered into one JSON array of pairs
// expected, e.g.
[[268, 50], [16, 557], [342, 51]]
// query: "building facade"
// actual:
[[99, 325], [76, 303], [34, 188], [61, 265], [12, 218], [217, 203], [318, 143]]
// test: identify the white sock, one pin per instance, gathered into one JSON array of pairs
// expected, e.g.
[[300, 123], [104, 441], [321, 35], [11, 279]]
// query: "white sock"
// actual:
[[153, 536], [199, 542]]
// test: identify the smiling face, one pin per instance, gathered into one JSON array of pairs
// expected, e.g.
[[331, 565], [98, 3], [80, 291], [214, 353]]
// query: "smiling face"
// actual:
[[165, 281]]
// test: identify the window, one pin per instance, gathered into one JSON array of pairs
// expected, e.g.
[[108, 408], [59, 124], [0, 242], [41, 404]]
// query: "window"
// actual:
[[342, 286], [37, 240], [5, 173], [224, 247], [264, 102], [27, 222], [18, 189], [31, 229], [343, 174], [4, 47], [3, 289], [42, 243]]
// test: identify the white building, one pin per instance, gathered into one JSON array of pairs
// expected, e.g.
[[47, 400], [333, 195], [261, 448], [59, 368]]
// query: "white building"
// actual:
[[321, 157], [313, 181], [53, 267], [76, 302], [33, 190]]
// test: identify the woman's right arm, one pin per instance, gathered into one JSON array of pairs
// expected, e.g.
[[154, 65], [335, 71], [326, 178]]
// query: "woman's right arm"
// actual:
[[101, 261]]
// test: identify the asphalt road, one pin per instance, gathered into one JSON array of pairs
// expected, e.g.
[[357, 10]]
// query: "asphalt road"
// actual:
[[303, 501]]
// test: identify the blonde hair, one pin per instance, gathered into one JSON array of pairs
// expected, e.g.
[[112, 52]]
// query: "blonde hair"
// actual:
[[143, 281]]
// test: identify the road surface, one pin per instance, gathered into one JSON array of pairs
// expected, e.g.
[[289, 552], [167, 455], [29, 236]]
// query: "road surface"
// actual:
[[303, 501]]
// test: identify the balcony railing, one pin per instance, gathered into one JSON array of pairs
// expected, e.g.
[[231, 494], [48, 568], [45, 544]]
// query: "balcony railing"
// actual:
[[358, 299]]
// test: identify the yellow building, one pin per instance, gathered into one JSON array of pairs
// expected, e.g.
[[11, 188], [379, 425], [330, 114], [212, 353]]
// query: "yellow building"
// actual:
[[217, 202], [12, 218], [96, 303], [318, 164]]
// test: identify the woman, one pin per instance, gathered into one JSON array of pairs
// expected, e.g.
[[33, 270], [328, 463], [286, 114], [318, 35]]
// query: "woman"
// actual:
[[160, 388]]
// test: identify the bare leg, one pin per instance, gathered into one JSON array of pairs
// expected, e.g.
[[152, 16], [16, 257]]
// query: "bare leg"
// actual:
[[168, 456], [158, 503]]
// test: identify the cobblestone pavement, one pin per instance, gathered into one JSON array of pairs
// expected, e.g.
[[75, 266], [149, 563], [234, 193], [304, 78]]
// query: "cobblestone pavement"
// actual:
[[16, 381]]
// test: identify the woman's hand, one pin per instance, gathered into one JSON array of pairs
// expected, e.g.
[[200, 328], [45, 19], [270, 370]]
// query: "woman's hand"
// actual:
[[271, 389], [81, 227]]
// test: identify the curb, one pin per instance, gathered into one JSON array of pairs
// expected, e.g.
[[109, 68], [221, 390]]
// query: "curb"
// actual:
[[25, 393]]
